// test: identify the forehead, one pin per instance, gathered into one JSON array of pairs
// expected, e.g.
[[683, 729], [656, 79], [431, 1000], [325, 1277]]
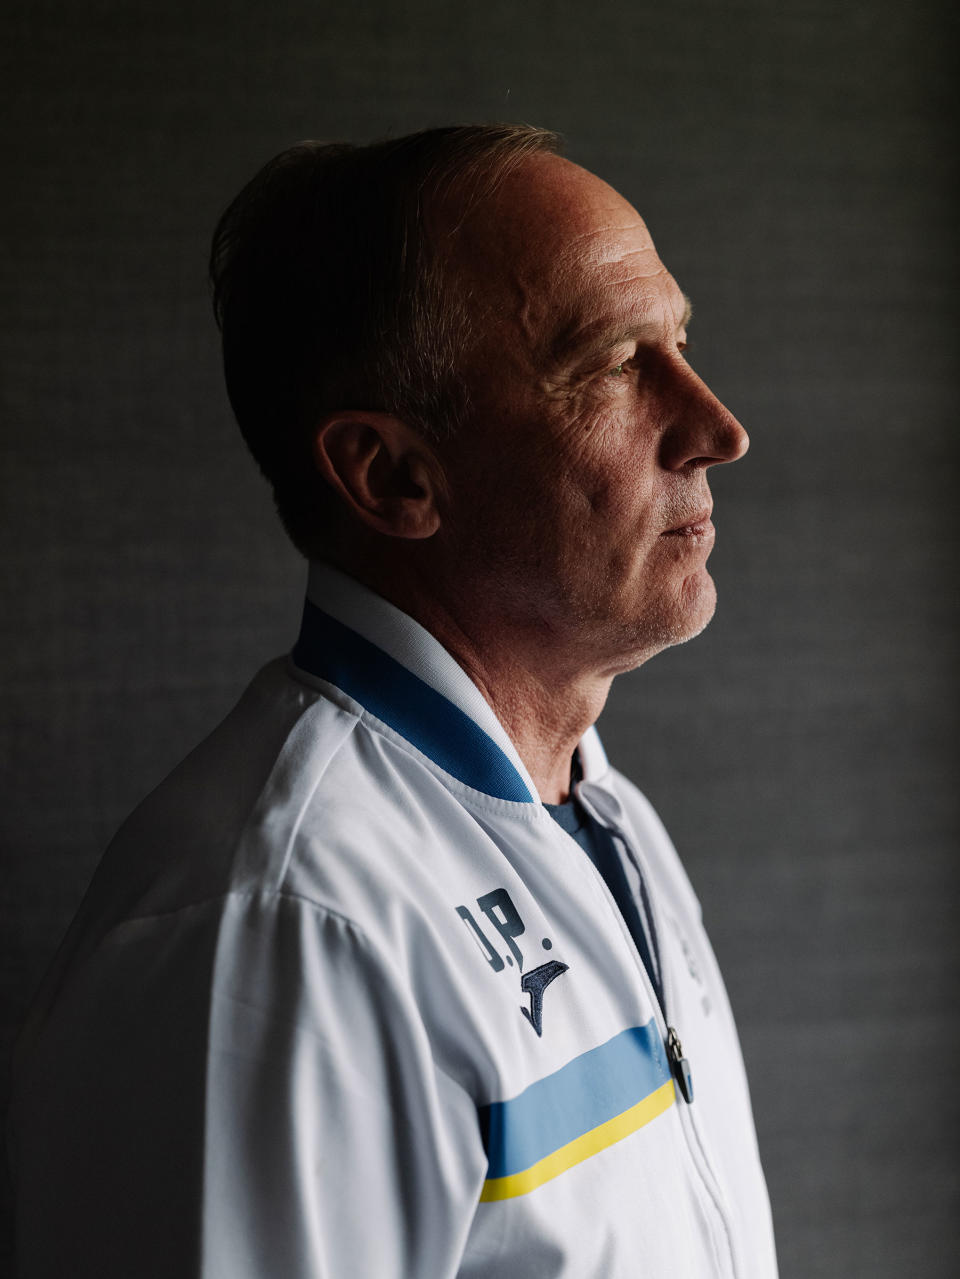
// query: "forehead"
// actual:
[[558, 251]]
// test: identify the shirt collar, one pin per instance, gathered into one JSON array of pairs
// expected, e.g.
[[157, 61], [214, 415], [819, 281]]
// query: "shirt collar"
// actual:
[[399, 672]]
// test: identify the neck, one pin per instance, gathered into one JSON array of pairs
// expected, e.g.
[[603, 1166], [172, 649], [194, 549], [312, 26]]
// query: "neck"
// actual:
[[545, 700], [544, 719]]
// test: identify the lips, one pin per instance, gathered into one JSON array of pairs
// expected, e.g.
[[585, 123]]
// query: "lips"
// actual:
[[697, 524]]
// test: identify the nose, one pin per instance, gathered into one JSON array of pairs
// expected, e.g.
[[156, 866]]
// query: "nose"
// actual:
[[703, 432]]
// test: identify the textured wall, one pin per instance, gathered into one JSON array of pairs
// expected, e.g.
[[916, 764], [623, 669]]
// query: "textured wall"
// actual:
[[794, 164]]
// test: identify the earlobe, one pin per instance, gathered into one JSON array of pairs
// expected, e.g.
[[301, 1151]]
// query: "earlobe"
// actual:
[[382, 470]]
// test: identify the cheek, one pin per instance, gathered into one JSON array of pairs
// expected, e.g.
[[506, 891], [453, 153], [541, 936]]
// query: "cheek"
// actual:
[[617, 487]]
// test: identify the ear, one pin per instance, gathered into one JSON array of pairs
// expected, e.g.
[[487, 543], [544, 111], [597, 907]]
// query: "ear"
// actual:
[[384, 471]]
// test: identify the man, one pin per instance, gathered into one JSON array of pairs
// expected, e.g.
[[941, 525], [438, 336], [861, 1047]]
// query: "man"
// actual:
[[395, 976]]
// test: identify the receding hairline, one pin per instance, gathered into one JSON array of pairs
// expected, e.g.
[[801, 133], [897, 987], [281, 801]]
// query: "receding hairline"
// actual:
[[547, 186]]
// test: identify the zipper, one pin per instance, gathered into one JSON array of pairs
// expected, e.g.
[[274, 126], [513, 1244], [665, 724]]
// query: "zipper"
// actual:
[[679, 1064]]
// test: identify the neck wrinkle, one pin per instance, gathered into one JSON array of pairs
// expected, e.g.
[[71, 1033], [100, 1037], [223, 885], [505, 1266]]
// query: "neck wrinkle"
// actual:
[[544, 701]]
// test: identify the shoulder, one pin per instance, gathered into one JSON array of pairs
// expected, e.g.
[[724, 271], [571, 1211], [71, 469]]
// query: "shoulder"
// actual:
[[182, 844], [301, 795]]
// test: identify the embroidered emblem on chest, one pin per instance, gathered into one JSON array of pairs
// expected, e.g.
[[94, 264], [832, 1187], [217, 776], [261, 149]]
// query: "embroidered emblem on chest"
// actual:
[[693, 967], [503, 917]]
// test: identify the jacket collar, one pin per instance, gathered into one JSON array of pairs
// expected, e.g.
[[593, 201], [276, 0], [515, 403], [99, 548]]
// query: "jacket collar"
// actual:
[[388, 663]]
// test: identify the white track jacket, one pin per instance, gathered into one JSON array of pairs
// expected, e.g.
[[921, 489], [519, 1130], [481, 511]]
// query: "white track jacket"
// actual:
[[343, 1001]]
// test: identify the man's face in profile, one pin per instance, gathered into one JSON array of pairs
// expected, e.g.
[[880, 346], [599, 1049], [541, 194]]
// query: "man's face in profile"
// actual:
[[579, 484]]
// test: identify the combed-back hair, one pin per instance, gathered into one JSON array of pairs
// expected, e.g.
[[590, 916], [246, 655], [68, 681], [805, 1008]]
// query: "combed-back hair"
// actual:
[[332, 291]]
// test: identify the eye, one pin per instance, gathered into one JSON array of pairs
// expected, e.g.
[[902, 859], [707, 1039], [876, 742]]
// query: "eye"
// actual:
[[617, 370]]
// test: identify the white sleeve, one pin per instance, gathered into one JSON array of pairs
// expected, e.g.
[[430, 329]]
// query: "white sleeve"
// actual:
[[251, 1094], [336, 1146]]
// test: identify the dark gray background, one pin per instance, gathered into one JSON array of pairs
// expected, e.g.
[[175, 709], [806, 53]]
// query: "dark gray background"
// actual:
[[794, 162]]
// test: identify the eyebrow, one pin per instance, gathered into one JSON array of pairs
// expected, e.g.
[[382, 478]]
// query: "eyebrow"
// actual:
[[575, 342]]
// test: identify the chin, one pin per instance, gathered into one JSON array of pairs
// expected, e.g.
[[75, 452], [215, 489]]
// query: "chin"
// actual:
[[677, 619], [694, 629], [698, 603]]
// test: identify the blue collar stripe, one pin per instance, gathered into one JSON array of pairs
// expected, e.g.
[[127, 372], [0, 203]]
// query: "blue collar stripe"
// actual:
[[331, 651]]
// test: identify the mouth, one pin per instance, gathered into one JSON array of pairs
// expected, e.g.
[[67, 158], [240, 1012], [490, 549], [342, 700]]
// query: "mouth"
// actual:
[[698, 525]]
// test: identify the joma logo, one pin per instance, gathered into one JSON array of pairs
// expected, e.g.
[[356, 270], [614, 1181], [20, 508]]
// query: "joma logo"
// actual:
[[504, 918]]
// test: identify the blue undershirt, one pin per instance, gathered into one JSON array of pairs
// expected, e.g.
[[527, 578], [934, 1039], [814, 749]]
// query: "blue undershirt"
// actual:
[[600, 846]]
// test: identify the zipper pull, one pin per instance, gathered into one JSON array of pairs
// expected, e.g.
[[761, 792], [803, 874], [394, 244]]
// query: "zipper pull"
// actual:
[[679, 1065]]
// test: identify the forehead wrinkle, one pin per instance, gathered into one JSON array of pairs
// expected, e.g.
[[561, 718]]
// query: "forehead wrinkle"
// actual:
[[623, 280], [601, 253], [574, 270], [595, 285], [621, 254], [610, 266]]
